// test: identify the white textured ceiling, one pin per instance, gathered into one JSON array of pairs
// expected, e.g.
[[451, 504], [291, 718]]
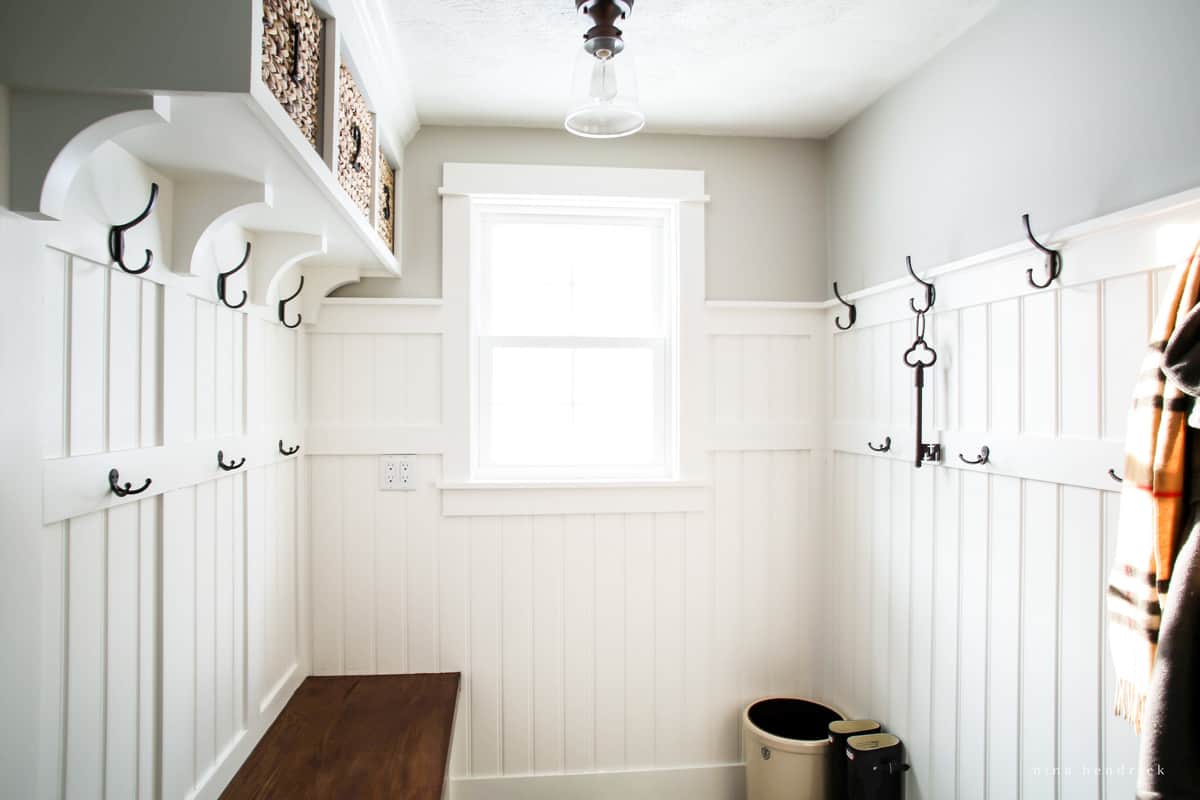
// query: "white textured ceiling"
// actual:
[[795, 68]]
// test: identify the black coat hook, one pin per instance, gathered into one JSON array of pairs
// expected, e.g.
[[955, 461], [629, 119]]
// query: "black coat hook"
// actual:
[[982, 458], [291, 451], [224, 276], [1053, 258], [883, 448], [232, 465], [116, 236], [930, 291], [283, 306], [1112, 473], [356, 135], [114, 483], [853, 311]]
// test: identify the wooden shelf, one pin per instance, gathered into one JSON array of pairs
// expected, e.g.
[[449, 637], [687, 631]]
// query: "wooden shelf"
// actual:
[[369, 736]]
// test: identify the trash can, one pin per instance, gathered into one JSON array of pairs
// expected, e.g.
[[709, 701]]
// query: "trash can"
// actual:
[[786, 741], [839, 732], [876, 766]]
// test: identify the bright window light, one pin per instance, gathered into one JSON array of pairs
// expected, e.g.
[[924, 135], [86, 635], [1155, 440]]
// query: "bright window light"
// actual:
[[574, 351]]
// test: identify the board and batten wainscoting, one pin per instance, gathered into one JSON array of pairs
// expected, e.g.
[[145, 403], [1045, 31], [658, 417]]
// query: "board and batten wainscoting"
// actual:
[[967, 602], [174, 621], [608, 641]]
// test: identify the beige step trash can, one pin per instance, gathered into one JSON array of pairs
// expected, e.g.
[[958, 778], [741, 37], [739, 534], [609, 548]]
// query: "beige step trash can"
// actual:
[[788, 753]]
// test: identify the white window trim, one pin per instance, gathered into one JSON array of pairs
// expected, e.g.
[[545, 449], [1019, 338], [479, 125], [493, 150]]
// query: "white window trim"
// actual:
[[467, 186]]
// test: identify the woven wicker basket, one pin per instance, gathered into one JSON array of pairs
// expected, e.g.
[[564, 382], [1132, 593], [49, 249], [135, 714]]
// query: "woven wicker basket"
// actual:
[[356, 142], [292, 53], [385, 214]]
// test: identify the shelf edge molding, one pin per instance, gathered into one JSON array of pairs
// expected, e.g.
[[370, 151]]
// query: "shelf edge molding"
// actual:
[[55, 132]]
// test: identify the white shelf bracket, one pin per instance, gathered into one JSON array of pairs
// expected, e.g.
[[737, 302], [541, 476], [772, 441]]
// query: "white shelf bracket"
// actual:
[[204, 204], [275, 253], [52, 134], [319, 282]]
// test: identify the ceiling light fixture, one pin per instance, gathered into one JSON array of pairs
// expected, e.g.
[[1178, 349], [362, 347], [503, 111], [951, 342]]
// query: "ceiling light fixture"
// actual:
[[604, 103]]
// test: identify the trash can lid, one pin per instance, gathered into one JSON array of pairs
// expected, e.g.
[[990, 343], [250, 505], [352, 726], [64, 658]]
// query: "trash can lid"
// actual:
[[872, 741], [850, 727]]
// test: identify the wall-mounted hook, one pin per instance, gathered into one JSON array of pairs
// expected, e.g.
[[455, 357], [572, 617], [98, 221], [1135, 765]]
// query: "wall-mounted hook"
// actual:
[[356, 135], [883, 448], [232, 465], [853, 311], [930, 291], [114, 483], [283, 306], [224, 276], [116, 236], [1112, 473], [291, 451], [982, 458], [1053, 258]]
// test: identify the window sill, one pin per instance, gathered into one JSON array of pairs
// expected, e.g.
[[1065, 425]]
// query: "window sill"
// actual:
[[534, 498]]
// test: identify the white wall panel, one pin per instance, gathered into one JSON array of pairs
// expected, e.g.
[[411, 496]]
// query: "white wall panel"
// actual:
[[153, 597], [984, 591], [616, 639]]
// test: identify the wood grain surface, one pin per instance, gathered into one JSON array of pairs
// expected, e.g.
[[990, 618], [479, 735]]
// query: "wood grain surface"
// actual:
[[370, 736]]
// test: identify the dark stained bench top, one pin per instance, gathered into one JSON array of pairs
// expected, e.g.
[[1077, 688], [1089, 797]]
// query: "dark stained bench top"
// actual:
[[363, 736]]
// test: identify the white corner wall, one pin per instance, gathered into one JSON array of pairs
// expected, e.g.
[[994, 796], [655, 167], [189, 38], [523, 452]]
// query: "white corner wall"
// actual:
[[162, 632], [967, 607]]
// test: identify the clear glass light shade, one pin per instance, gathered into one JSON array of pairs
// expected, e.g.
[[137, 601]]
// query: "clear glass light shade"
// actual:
[[604, 97]]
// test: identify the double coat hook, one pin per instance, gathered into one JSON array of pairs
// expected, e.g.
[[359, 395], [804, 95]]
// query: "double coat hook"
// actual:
[[984, 455], [290, 451], [930, 291], [116, 236], [224, 276], [283, 306], [1053, 258], [232, 465], [838, 320], [882, 448], [114, 483]]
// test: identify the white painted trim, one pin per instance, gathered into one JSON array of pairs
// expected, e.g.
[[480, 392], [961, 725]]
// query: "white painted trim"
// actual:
[[710, 782], [420, 302], [1055, 239], [492, 180], [78, 485], [361, 440], [755, 306], [526, 499]]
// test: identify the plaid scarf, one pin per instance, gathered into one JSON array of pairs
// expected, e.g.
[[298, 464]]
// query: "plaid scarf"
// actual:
[[1148, 529]]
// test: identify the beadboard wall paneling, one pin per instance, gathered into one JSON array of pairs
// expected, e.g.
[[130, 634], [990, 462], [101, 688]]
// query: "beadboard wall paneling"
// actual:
[[967, 603], [174, 622], [589, 642]]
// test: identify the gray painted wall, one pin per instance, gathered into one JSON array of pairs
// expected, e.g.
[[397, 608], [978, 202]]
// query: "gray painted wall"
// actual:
[[1067, 109], [765, 223]]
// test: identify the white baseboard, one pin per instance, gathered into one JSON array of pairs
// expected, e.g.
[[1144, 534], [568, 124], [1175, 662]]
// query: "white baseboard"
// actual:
[[720, 782]]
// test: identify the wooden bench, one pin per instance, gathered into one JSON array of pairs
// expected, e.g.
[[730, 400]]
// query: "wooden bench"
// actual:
[[365, 736]]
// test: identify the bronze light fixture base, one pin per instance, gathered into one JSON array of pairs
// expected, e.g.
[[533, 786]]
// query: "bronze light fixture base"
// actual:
[[604, 40]]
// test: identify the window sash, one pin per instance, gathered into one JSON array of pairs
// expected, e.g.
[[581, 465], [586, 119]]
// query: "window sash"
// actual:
[[659, 466]]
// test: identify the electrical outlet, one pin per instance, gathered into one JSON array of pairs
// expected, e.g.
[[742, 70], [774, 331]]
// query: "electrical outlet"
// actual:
[[396, 474]]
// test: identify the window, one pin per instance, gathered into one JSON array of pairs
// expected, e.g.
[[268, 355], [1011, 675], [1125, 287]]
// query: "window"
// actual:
[[574, 320]]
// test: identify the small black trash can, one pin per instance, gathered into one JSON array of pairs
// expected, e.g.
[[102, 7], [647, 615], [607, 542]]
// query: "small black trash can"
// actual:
[[839, 732], [876, 767]]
